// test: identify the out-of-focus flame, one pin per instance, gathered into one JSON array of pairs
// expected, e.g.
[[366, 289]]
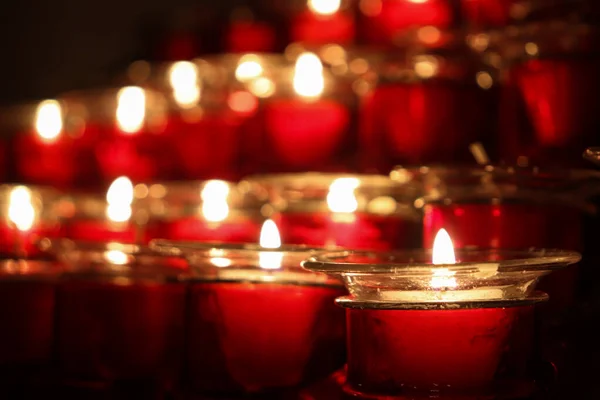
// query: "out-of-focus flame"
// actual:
[[215, 207], [270, 239], [116, 257], [20, 208], [249, 67], [49, 120], [119, 198], [418, 1], [308, 75], [183, 77], [324, 7], [426, 66], [262, 87], [443, 253], [341, 197], [131, 109]]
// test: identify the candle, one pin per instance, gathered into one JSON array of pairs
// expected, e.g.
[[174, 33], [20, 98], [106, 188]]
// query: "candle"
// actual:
[[445, 328], [104, 221], [382, 22], [360, 212], [257, 322], [29, 215], [250, 36], [402, 122], [48, 155], [120, 316], [305, 131], [322, 23], [27, 297], [210, 211], [492, 13]]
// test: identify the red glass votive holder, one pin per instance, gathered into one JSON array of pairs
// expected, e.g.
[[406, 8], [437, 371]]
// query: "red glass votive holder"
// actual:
[[453, 331], [352, 211], [425, 107], [27, 303], [320, 24], [204, 211], [120, 316], [258, 323], [27, 214], [547, 113], [303, 120]]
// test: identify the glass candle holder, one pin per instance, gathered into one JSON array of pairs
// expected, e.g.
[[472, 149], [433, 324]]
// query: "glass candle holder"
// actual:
[[257, 322], [450, 330], [203, 211], [352, 211], [509, 207], [120, 316], [27, 294], [424, 105], [27, 213], [318, 23], [548, 90]]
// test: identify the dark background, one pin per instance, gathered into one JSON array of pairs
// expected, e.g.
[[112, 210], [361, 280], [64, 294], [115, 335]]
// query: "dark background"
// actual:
[[49, 46]]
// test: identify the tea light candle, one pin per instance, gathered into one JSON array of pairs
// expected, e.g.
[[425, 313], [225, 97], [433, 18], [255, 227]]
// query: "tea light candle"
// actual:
[[323, 23]]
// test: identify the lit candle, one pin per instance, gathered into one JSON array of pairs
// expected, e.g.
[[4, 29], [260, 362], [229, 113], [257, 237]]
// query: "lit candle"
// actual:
[[185, 84], [323, 22], [307, 130]]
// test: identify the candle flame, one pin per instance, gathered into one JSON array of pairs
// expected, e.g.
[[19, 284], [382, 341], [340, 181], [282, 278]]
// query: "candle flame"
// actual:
[[443, 253], [324, 7], [249, 67], [116, 257], [308, 76], [183, 77], [270, 239], [214, 201], [20, 208], [48, 121], [131, 109], [426, 66], [119, 198], [341, 197]]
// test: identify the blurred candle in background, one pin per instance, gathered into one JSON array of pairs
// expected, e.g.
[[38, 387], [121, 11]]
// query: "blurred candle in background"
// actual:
[[323, 22]]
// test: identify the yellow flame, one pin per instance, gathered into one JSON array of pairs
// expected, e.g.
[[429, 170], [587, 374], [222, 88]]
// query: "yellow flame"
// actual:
[[308, 75], [426, 66], [116, 257], [119, 198], [270, 239], [249, 67], [20, 208], [341, 197], [214, 201], [48, 120], [220, 262], [131, 109], [262, 87], [443, 253], [324, 7], [183, 77]]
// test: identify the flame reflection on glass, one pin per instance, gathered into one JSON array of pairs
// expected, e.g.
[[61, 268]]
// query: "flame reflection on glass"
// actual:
[[443, 253], [49, 120], [119, 198], [308, 75], [183, 77], [20, 208], [270, 239], [249, 67], [215, 207], [341, 197], [131, 109], [116, 257]]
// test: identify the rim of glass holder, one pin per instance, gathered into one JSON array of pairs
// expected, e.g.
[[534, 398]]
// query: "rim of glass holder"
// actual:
[[26, 269], [480, 275], [95, 260], [235, 262], [309, 191], [592, 154], [496, 183]]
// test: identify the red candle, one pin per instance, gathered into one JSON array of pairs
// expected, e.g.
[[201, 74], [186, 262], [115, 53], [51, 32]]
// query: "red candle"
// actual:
[[250, 36], [102, 230], [323, 23], [547, 109], [382, 21], [255, 337], [488, 12], [421, 352], [27, 294], [196, 228], [404, 123]]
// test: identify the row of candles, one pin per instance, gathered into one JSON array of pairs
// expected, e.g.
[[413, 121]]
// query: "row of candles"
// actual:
[[380, 23], [215, 118]]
